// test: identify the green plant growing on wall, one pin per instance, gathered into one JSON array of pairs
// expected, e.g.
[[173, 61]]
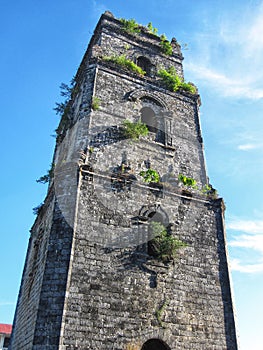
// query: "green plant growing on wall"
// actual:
[[165, 245], [206, 189], [173, 82], [209, 191], [152, 29], [48, 176], [150, 176], [37, 209], [95, 105], [166, 46], [126, 63], [135, 130], [64, 108], [130, 26], [187, 181], [159, 312]]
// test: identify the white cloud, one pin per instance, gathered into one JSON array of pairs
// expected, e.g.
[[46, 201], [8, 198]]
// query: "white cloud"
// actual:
[[237, 265], [251, 240], [247, 146], [254, 39], [247, 241], [227, 87], [235, 47], [6, 303], [248, 226]]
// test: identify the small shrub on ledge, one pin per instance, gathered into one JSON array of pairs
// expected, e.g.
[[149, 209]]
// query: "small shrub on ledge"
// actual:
[[173, 82], [209, 191], [126, 63], [135, 130], [48, 176], [130, 26], [187, 181], [164, 246], [152, 29], [150, 176], [166, 46], [95, 104]]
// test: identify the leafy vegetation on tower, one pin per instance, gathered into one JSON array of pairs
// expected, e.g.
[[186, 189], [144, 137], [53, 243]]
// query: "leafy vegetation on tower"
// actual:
[[135, 130], [126, 63], [173, 82]]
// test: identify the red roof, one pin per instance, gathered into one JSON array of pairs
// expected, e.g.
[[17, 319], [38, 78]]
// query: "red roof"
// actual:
[[5, 328]]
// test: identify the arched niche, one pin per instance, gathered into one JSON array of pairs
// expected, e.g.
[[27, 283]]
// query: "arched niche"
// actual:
[[152, 116], [153, 112], [142, 94], [149, 118], [155, 344], [154, 213], [145, 65]]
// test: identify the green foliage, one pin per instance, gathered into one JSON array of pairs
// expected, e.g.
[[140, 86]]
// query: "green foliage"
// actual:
[[150, 175], [95, 105], [130, 26], [37, 209], [187, 87], [165, 244], [209, 191], [206, 189], [173, 82], [187, 181], [163, 37], [66, 90], [60, 108], [170, 78], [152, 29], [135, 130], [125, 62], [48, 176], [166, 46], [64, 108], [159, 313]]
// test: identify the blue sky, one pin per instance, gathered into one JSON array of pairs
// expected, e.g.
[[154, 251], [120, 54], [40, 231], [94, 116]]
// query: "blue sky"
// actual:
[[42, 43]]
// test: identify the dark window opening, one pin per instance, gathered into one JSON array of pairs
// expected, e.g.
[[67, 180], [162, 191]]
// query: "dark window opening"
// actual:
[[149, 118], [153, 247], [154, 125], [6, 342], [155, 344], [145, 64]]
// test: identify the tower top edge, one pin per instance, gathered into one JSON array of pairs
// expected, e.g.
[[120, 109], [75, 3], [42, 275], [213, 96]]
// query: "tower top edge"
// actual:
[[108, 19]]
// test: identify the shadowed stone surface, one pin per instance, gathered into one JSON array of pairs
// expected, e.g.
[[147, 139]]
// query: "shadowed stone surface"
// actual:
[[90, 280]]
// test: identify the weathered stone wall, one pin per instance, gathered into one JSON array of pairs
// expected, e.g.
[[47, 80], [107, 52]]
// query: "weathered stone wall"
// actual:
[[29, 295], [113, 40], [112, 299], [89, 279]]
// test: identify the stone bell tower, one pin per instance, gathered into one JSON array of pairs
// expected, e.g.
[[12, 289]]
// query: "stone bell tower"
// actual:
[[124, 254]]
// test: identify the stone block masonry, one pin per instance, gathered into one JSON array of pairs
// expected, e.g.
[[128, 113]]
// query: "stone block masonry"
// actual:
[[93, 277]]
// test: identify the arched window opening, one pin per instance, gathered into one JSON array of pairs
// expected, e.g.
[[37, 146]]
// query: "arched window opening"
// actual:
[[148, 117], [155, 344], [157, 226], [145, 64], [154, 123], [156, 217]]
